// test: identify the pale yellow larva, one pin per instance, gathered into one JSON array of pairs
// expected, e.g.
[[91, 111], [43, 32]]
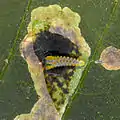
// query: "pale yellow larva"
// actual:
[[60, 61]]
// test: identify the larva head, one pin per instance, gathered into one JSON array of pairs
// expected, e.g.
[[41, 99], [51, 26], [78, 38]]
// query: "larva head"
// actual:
[[61, 50]]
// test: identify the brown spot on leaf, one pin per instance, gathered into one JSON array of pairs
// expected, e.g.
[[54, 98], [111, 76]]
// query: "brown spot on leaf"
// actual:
[[110, 58]]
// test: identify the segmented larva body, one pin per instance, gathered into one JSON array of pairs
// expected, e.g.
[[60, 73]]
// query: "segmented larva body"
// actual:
[[59, 61]]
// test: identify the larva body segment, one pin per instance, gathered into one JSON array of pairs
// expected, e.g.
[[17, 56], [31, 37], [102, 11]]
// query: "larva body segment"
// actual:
[[60, 61]]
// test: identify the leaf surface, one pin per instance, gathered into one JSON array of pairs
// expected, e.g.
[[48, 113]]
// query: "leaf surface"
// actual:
[[97, 96]]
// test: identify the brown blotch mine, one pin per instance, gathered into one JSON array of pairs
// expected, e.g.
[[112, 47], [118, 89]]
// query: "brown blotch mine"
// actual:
[[110, 58]]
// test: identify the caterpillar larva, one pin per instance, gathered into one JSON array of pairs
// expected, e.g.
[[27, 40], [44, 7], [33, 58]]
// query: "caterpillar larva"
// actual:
[[59, 61]]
